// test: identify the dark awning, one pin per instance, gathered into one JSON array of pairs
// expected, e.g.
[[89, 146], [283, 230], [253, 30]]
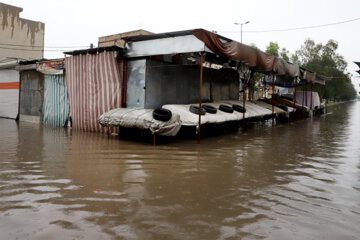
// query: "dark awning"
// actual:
[[236, 51], [254, 57]]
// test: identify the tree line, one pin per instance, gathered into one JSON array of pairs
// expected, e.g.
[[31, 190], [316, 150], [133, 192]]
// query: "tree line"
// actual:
[[324, 60]]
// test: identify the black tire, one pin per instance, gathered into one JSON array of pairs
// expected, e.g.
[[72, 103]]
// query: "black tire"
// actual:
[[195, 109], [226, 108], [283, 107], [239, 108], [162, 114], [209, 109]]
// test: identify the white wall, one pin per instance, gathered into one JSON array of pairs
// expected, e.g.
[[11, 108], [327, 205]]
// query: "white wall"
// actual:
[[9, 98]]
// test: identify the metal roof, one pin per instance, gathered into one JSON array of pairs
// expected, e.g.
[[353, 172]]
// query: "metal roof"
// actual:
[[95, 50], [167, 35]]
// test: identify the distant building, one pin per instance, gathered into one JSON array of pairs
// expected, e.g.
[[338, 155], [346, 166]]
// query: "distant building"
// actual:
[[19, 38], [117, 39]]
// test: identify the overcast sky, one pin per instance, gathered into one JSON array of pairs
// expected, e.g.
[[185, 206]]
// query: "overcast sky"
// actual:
[[81, 22]]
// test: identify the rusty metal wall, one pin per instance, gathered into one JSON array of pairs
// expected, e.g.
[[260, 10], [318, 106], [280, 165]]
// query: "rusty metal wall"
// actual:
[[31, 93]]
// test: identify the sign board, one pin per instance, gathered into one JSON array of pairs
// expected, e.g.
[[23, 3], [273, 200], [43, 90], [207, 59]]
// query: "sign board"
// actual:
[[55, 67]]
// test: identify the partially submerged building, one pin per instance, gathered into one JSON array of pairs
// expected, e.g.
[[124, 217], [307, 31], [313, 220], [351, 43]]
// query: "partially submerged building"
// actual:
[[9, 90], [21, 39], [174, 70], [110, 86]]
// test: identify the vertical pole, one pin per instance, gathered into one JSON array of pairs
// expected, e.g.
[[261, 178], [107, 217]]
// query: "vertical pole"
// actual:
[[272, 102], [154, 140], [303, 98], [244, 100], [241, 33], [296, 84], [19, 98], [306, 98], [124, 83], [295, 96], [295, 93], [200, 95], [311, 104]]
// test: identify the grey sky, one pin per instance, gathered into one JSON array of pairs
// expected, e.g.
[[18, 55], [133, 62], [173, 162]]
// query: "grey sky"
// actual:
[[81, 22]]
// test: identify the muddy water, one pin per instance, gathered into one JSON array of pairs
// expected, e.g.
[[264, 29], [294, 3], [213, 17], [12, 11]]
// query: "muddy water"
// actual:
[[292, 181]]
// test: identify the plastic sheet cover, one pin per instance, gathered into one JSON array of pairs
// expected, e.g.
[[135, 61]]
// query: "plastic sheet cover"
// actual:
[[190, 119], [141, 119]]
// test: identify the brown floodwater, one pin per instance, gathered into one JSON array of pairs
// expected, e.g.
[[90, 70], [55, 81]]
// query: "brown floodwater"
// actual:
[[293, 181]]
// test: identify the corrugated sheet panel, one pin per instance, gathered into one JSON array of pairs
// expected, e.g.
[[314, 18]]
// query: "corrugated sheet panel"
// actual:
[[94, 87], [56, 102]]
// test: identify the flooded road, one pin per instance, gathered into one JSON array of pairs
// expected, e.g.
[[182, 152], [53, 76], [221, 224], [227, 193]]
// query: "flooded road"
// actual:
[[293, 181]]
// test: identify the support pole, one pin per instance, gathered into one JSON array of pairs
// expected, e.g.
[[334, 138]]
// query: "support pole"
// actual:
[[296, 84], [124, 83], [244, 100], [154, 140], [303, 100], [272, 102], [200, 95], [311, 104]]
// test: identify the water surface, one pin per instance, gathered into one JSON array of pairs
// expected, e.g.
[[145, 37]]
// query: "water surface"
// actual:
[[293, 181]]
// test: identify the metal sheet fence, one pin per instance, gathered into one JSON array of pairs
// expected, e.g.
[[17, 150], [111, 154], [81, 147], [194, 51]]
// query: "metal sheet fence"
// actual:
[[94, 87], [56, 102]]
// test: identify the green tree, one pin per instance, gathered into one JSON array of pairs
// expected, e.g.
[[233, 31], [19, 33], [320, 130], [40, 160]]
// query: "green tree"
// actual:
[[273, 49], [324, 60], [284, 54]]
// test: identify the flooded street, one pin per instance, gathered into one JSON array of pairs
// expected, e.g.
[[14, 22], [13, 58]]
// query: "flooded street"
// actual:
[[293, 181]]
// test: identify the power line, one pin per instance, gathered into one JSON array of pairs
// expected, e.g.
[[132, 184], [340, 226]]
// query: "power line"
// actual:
[[36, 50], [297, 28], [19, 45]]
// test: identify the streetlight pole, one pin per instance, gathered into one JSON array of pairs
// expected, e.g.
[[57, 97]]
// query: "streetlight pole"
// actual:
[[241, 25]]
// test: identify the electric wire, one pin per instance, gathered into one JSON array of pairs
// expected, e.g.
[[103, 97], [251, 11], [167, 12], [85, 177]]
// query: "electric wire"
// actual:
[[36, 50], [30, 46], [296, 28]]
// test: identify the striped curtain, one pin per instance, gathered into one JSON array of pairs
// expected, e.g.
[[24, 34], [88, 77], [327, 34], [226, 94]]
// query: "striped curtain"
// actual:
[[94, 86], [56, 103]]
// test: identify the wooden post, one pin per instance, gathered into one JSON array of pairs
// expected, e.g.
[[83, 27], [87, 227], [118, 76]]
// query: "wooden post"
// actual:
[[154, 140], [244, 100], [296, 84], [311, 104], [272, 102], [200, 95], [124, 83], [303, 98]]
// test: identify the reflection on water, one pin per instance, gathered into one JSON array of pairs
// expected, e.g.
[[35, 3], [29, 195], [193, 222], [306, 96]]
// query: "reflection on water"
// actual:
[[294, 181]]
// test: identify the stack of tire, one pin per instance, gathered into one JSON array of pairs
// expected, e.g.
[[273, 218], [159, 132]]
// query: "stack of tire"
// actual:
[[212, 110]]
